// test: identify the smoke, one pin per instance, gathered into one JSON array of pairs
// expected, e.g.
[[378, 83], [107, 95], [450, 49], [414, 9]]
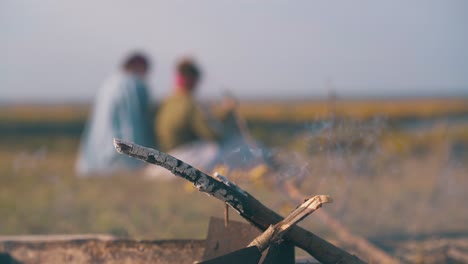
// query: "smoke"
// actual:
[[387, 179]]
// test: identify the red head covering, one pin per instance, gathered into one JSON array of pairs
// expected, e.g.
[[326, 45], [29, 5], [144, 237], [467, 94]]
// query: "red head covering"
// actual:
[[187, 75]]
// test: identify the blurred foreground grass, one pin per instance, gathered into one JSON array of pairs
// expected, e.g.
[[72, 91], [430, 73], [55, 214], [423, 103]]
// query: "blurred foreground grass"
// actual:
[[39, 194], [387, 180]]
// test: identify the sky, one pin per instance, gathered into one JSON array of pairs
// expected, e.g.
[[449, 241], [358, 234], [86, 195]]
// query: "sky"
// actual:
[[57, 51]]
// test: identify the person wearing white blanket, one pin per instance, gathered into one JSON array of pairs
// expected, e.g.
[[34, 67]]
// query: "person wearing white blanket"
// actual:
[[121, 110]]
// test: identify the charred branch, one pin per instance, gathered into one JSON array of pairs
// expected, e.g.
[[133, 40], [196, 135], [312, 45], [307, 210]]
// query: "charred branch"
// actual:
[[244, 203]]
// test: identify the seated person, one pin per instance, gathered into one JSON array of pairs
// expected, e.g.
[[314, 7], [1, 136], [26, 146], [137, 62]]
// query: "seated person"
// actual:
[[121, 110], [181, 121], [187, 133]]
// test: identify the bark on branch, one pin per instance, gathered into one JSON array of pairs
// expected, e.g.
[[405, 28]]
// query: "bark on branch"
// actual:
[[244, 203]]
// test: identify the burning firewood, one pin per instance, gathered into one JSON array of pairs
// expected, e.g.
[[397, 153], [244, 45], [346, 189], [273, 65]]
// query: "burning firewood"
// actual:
[[244, 203], [253, 252]]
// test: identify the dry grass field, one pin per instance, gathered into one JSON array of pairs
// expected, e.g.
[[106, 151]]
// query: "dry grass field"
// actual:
[[397, 170], [295, 110]]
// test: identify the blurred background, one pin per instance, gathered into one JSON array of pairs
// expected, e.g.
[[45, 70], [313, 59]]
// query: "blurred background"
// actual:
[[364, 100]]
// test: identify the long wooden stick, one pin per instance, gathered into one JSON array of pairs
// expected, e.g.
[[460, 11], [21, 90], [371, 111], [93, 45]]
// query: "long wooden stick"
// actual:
[[245, 204]]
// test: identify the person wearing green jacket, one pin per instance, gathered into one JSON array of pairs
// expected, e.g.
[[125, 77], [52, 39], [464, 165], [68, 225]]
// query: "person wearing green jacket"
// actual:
[[181, 121]]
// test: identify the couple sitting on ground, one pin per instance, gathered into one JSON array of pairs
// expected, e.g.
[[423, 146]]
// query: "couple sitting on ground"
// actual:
[[122, 110]]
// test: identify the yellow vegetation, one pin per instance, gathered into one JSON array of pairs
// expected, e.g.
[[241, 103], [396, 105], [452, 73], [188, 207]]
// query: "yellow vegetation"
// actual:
[[357, 109]]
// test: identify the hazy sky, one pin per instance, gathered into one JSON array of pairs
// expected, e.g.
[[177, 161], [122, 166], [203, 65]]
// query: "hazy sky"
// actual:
[[63, 50]]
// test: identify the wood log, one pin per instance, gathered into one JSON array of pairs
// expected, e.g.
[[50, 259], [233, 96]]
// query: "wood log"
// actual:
[[83, 251], [244, 203]]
